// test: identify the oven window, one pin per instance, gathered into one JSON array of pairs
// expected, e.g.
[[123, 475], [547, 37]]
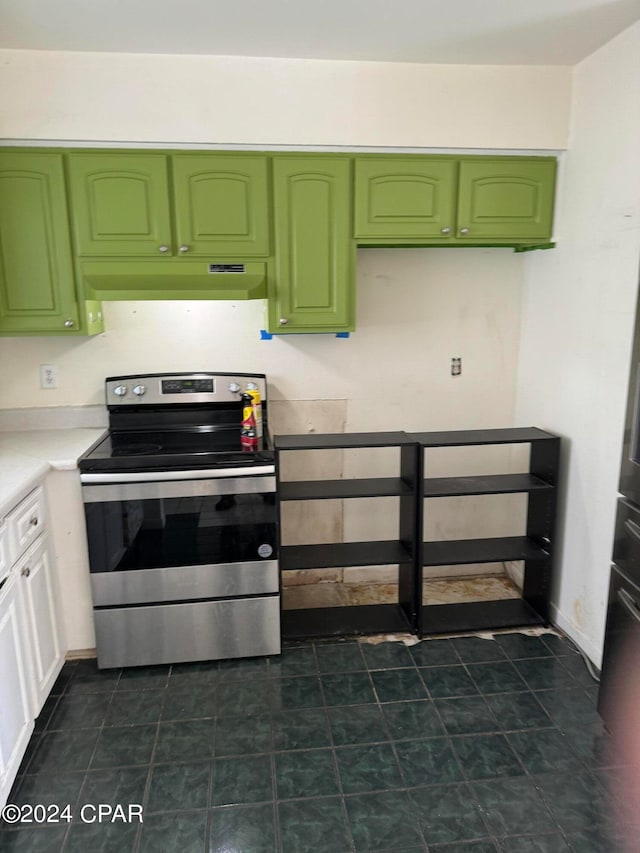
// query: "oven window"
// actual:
[[147, 533]]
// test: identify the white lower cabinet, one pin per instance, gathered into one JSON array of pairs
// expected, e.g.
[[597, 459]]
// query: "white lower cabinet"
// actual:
[[40, 620], [31, 644], [16, 715]]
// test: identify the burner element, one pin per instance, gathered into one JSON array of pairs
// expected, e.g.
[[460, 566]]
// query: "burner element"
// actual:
[[136, 449]]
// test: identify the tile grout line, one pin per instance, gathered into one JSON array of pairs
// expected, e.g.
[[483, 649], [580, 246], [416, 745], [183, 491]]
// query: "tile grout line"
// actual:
[[147, 788], [465, 781], [277, 835], [412, 806], [334, 757]]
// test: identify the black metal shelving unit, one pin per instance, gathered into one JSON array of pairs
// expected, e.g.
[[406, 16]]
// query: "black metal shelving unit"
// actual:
[[410, 552], [534, 548], [403, 551]]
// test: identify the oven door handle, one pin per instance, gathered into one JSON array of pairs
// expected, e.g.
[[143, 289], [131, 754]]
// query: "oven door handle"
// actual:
[[632, 527], [164, 476], [629, 604], [106, 492]]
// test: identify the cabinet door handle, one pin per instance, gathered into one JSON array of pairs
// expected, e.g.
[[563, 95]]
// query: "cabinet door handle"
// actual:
[[163, 249], [629, 604], [34, 521], [633, 528], [283, 321], [445, 230], [184, 249], [25, 572], [464, 230]]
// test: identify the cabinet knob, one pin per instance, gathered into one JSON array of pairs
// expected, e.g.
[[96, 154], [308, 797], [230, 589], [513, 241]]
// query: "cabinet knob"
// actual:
[[69, 324], [34, 521], [163, 249], [184, 249], [283, 321], [445, 230], [25, 572], [464, 230]]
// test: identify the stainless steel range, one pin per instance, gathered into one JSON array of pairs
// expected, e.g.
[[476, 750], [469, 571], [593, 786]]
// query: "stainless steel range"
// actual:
[[181, 523]]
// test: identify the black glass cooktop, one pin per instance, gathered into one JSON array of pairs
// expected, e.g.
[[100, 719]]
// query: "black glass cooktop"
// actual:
[[173, 449]]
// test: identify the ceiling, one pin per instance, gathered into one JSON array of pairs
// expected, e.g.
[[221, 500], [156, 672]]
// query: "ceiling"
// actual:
[[488, 32]]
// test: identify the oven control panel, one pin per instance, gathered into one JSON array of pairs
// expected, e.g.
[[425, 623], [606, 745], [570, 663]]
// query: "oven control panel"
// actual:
[[180, 388], [186, 386]]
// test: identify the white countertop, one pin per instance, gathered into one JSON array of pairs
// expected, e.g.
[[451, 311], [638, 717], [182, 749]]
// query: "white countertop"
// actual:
[[27, 455]]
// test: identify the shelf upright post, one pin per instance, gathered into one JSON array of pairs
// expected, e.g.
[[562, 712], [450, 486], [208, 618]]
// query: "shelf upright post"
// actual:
[[541, 520], [410, 523]]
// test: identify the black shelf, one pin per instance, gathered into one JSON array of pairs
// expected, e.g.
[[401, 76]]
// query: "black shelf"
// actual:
[[344, 621], [458, 552], [534, 549], [492, 484], [479, 615], [403, 551], [342, 441], [410, 553], [468, 437], [338, 554], [376, 487]]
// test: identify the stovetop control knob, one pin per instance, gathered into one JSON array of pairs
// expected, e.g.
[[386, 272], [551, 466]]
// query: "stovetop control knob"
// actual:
[[139, 390], [234, 387], [120, 390]]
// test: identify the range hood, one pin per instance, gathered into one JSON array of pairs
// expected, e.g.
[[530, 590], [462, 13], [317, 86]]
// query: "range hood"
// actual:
[[173, 279]]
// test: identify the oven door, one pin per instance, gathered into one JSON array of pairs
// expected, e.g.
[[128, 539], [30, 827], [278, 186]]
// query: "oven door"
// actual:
[[159, 541]]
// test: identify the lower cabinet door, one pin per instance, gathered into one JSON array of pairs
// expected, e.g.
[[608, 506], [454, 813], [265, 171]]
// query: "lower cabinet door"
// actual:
[[313, 287], [16, 719], [41, 620]]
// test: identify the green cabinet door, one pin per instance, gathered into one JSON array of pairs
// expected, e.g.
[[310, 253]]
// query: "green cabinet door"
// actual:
[[506, 198], [37, 286], [120, 204], [405, 198], [221, 204], [313, 287]]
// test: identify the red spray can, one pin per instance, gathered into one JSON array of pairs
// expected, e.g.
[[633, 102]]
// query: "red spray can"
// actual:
[[248, 432]]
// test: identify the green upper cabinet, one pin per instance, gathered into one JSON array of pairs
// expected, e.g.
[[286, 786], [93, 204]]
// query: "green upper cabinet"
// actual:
[[126, 204], [404, 197], [120, 204], [221, 205], [37, 285], [313, 287], [506, 198], [453, 201]]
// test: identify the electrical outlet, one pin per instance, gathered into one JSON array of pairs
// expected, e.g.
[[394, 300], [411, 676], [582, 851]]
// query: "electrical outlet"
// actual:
[[48, 376], [456, 366]]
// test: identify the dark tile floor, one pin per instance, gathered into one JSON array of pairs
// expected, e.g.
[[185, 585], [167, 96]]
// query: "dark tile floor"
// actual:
[[451, 745]]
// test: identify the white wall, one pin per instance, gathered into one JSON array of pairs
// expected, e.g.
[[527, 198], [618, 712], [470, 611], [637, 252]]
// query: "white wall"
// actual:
[[578, 309], [132, 98], [416, 309]]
